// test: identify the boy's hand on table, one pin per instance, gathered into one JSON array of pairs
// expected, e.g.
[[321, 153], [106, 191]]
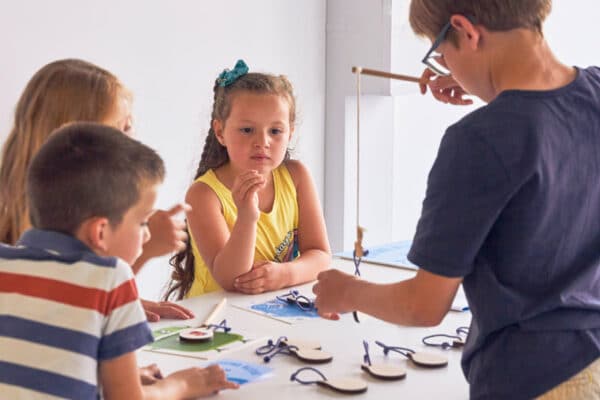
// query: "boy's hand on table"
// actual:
[[165, 309], [264, 276], [150, 374], [333, 290], [202, 381]]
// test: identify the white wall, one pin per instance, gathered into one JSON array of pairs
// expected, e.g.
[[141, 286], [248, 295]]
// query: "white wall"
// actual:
[[169, 54]]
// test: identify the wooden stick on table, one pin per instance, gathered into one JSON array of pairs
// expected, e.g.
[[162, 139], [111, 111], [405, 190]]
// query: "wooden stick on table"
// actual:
[[210, 319]]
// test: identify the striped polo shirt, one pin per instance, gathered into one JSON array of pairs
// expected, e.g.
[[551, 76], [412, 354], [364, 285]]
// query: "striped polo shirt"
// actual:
[[63, 309]]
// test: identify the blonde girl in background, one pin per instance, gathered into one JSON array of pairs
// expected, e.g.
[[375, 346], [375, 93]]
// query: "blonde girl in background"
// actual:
[[256, 224], [61, 92]]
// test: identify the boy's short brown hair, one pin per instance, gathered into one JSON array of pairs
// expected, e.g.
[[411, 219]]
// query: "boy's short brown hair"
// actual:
[[88, 170], [428, 17]]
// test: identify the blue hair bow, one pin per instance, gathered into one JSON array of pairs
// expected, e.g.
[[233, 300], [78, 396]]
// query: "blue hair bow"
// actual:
[[227, 77]]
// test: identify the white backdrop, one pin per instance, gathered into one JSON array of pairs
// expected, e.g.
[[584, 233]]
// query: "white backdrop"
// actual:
[[169, 54]]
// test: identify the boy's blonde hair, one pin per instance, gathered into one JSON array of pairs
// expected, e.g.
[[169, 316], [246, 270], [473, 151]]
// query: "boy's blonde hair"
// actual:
[[60, 92], [428, 17]]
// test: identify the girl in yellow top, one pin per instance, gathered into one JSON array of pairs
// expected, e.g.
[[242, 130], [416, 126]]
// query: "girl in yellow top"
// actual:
[[256, 224]]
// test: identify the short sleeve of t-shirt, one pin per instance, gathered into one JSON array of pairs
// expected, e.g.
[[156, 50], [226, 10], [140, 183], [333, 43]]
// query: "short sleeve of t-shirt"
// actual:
[[467, 188], [125, 326]]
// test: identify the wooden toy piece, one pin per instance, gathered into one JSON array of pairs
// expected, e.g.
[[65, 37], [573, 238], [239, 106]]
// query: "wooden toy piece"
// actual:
[[358, 249], [387, 372], [196, 335], [341, 385], [203, 333], [305, 351], [311, 356], [303, 344], [428, 360], [345, 385]]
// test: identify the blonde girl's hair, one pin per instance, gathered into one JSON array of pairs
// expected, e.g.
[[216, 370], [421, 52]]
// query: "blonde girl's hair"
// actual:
[[215, 155], [60, 92]]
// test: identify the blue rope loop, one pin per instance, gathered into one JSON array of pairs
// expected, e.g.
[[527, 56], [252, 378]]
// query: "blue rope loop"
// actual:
[[294, 376], [356, 261], [271, 349], [406, 352], [220, 325], [444, 345], [294, 297], [366, 357], [282, 349], [462, 331], [270, 346]]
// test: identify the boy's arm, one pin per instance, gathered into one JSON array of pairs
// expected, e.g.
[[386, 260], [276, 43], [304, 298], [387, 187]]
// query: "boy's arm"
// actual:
[[189, 383], [422, 300], [227, 254], [315, 254], [119, 378]]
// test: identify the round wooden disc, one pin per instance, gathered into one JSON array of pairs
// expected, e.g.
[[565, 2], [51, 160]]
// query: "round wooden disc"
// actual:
[[429, 360], [345, 385], [303, 344], [385, 371], [196, 335], [313, 356]]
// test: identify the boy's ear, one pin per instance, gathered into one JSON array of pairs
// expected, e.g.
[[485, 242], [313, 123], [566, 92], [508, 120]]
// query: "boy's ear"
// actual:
[[217, 127], [94, 233], [470, 33]]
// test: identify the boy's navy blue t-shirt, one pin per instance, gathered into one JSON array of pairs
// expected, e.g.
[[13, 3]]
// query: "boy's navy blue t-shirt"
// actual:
[[513, 206]]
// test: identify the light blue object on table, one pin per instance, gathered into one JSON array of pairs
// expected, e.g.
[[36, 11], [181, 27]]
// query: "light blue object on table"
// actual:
[[392, 254], [242, 372]]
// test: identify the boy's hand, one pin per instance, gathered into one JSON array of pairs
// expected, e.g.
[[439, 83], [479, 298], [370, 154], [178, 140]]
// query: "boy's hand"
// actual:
[[165, 309], [444, 88], [332, 290], [263, 277], [150, 374], [167, 233], [245, 194], [202, 381]]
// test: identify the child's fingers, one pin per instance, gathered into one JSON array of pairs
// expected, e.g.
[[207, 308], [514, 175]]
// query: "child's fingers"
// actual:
[[329, 316], [177, 208]]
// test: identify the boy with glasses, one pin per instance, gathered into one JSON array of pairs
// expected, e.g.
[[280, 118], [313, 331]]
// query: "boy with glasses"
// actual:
[[512, 208]]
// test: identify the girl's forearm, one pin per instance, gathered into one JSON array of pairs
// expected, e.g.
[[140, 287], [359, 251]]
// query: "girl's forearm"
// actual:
[[306, 267], [237, 256]]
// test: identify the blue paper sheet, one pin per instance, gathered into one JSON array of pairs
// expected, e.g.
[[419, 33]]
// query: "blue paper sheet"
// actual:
[[242, 372], [277, 308], [392, 254]]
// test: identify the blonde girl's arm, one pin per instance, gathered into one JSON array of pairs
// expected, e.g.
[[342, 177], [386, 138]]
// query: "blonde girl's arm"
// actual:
[[227, 254], [315, 254]]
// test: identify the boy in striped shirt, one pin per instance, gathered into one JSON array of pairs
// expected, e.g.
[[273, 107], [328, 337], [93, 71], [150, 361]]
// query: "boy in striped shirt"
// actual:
[[70, 317]]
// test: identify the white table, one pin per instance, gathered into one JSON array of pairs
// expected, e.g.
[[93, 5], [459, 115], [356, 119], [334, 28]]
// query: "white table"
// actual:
[[341, 338]]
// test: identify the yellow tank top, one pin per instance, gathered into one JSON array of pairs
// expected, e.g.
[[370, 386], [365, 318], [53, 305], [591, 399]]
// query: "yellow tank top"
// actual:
[[276, 233]]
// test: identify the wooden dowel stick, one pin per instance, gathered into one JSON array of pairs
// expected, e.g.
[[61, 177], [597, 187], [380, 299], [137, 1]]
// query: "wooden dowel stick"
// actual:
[[383, 74], [215, 312]]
